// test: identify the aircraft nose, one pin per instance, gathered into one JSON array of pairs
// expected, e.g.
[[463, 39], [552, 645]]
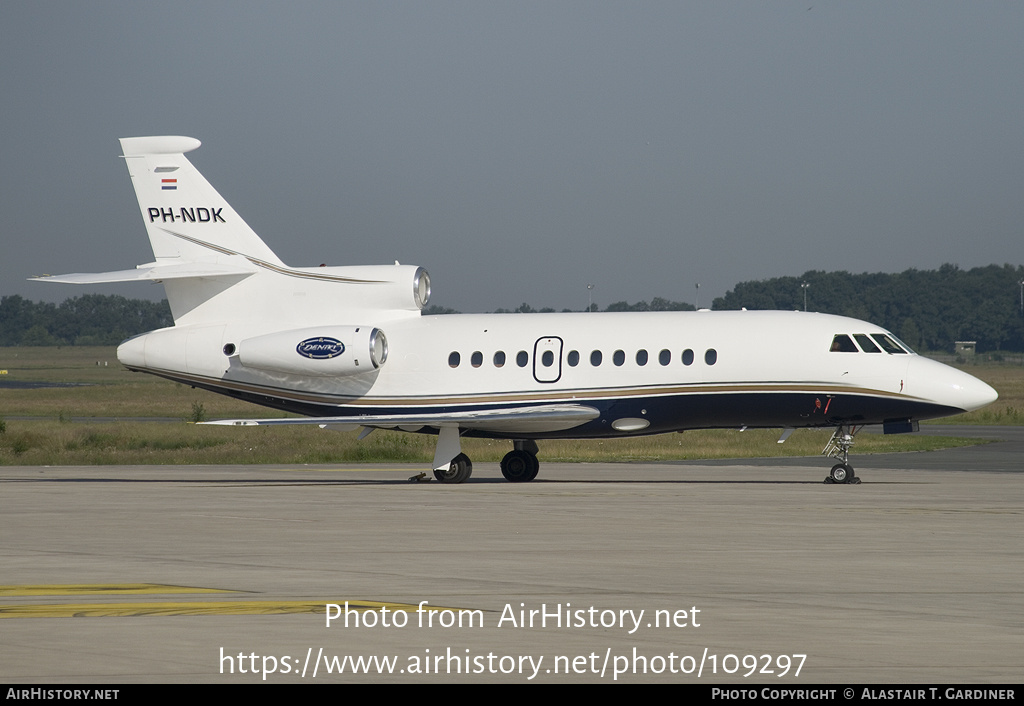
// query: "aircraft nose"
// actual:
[[949, 386], [974, 393]]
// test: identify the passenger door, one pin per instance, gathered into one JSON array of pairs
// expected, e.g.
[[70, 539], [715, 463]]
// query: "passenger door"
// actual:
[[547, 359]]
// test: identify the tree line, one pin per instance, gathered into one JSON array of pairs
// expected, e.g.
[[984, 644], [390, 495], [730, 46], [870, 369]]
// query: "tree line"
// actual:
[[928, 309], [88, 320]]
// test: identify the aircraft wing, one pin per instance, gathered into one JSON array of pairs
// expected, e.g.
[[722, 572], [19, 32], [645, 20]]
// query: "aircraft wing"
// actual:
[[514, 420], [156, 273]]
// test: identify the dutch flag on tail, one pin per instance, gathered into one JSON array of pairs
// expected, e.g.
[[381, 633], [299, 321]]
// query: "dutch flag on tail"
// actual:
[[169, 184]]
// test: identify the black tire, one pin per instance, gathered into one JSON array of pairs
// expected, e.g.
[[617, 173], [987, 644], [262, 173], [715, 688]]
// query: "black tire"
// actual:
[[841, 473], [458, 471], [535, 469], [519, 466]]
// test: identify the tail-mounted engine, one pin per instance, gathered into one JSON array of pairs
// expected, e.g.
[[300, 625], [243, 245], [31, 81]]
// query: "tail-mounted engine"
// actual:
[[321, 351]]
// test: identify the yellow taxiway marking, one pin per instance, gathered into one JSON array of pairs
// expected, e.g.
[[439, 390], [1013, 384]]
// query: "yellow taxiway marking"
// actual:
[[102, 589], [123, 610]]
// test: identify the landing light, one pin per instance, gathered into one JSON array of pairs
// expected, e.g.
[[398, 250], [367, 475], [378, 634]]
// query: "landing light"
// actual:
[[630, 424]]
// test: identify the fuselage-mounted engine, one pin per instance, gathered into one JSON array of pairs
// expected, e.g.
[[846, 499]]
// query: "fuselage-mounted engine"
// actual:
[[323, 351]]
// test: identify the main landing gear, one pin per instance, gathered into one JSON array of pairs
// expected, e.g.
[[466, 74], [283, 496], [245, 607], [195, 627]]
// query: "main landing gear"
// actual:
[[838, 448], [520, 465], [460, 469]]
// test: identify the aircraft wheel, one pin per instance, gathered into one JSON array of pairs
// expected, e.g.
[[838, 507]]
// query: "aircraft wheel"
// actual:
[[841, 473], [535, 469], [519, 466], [460, 469]]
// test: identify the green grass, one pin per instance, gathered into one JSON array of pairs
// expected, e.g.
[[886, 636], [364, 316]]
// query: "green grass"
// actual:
[[36, 426], [49, 442], [1008, 381], [109, 389]]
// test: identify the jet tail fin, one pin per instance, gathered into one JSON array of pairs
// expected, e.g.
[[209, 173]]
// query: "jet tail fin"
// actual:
[[186, 219], [215, 269], [202, 247]]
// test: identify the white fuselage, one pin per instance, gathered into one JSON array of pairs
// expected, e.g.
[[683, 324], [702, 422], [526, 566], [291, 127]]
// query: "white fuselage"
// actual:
[[661, 371]]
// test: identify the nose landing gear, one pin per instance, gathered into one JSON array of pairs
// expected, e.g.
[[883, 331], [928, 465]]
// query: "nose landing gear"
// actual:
[[838, 447]]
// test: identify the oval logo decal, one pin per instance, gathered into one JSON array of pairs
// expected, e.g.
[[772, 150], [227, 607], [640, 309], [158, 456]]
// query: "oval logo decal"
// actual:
[[320, 348]]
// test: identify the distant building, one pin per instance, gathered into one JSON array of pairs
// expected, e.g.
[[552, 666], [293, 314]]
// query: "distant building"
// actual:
[[964, 348]]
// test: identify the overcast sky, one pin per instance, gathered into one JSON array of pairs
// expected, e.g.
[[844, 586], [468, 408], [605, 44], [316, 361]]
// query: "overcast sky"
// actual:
[[521, 150]]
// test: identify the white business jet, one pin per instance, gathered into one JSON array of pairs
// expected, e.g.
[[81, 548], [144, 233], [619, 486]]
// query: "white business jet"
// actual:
[[348, 348]]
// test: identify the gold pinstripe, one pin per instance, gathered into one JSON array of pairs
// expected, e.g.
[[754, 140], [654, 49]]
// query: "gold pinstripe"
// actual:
[[529, 396]]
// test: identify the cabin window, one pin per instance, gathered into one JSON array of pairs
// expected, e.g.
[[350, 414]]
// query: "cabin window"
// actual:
[[453, 359], [573, 358], [665, 357], [842, 344], [477, 359], [595, 358], [499, 359], [866, 344], [641, 357], [522, 358], [710, 356], [688, 357], [547, 359], [887, 344], [619, 357]]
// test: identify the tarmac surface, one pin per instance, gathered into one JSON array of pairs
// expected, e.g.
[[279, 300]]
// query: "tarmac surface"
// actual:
[[196, 573]]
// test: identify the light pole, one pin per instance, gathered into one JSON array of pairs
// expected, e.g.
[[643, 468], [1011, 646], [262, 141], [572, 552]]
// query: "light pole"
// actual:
[[698, 297], [804, 287], [590, 298]]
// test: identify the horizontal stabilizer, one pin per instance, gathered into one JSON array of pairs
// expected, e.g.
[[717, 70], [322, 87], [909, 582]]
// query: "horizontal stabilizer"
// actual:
[[517, 420], [157, 273]]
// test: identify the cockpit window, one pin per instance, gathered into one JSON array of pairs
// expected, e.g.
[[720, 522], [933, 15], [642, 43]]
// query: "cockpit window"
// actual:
[[887, 344], [842, 344], [866, 344], [903, 345]]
